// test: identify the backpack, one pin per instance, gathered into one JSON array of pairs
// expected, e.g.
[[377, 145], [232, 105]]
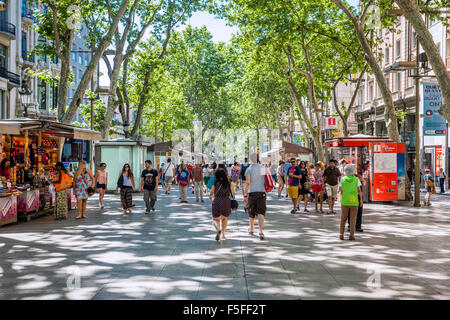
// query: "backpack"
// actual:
[[244, 168]]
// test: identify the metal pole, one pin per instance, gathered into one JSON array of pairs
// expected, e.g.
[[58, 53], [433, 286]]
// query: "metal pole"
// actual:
[[92, 114], [417, 150], [446, 158]]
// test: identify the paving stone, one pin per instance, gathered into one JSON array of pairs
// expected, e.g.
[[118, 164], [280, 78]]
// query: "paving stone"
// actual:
[[172, 254]]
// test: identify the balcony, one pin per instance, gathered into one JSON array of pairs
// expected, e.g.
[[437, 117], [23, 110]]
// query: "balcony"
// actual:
[[28, 15], [27, 58], [11, 76], [8, 29]]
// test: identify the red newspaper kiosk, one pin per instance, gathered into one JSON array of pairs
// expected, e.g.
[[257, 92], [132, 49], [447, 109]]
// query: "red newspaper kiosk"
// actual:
[[380, 160]]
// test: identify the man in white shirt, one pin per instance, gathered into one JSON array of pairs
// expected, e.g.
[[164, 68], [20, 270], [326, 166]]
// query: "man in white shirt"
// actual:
[[168, 174], [255, 194]]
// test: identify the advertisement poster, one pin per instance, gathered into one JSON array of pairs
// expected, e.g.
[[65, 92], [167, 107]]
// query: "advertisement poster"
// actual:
[[401, 172], [384, 171], [297, 139], [438, 159], [433, 123]]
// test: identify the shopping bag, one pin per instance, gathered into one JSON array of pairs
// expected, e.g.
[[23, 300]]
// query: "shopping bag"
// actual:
[[268, 182]]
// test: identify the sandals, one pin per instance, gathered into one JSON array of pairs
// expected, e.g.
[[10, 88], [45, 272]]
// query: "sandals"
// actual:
[[341, 237], [218, 235]]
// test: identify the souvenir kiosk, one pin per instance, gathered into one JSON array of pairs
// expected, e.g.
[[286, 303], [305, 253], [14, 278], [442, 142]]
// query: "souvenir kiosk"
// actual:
[[32, 148], [378, 159]]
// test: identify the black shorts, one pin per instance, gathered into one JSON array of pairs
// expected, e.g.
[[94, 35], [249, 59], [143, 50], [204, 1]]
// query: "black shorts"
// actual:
[[101, 186], [256, 204]]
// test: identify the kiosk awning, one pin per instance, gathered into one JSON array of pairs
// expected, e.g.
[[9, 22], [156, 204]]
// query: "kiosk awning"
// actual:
[[17, 127]]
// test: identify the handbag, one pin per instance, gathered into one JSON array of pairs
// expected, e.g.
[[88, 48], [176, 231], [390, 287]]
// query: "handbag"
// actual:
[[90, 191], [234, 203], [308, 185], [268, 182], [120, 182]]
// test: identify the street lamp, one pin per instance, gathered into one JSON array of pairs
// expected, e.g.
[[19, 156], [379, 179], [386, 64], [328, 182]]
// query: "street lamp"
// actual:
[[373, 118], [25, 95]]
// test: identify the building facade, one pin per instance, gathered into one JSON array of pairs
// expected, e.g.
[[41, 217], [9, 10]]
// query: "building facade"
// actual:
[[401, 46], [18, 39]]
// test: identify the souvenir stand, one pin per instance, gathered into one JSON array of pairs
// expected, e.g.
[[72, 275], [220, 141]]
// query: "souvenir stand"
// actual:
[[33, 147]]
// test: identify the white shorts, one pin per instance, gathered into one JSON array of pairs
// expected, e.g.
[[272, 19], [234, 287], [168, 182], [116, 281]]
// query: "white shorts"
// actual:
[[332, 191], [168, 180]]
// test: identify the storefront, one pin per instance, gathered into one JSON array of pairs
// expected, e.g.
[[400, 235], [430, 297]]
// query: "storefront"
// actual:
[[32, 148]]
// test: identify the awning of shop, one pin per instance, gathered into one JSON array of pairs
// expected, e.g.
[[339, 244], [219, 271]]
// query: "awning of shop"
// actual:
[[9, 128], [293, 148], [51, 128]]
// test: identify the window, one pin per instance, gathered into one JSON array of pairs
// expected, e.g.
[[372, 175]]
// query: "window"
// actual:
[[360, 97], [42, 94], [414, 40], [3, 56], [74, 55], [371, 91], [53, 97], [386, 55], [398, 81], [397, 48], [388, 81], [80, 58], [24, 44], [74, 70], [3, 114], [86, 60]]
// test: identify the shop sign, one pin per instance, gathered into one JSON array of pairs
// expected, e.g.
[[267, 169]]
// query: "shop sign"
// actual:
[[433, 123], [331, 123]]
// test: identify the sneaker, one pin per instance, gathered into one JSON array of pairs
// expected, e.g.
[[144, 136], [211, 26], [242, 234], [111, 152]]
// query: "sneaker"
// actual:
[[166, 192], [351, 238], [147, 211], [293, 211], [261, 236], [341, 237], [306, 210], [359, 230], [250, 232], [203, 201], [153, 208]]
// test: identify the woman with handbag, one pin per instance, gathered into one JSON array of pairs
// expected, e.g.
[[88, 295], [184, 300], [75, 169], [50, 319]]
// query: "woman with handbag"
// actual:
[[221, 205], [61, 183], [127, 186], [82, 187], [304, 187], [429, 183]]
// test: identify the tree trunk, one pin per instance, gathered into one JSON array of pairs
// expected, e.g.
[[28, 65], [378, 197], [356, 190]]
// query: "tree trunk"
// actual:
[[63, 84], [389, 108], [112, 100], [411, 11], [88, 74]]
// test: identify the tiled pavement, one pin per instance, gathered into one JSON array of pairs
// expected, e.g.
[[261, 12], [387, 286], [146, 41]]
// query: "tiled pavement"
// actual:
[[404, 253]]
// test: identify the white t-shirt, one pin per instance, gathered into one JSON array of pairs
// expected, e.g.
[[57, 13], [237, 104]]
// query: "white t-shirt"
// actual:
[[168, 169]]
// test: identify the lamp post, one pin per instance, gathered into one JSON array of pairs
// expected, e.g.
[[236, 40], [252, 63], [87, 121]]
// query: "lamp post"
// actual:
[[25, 94], [373, 118]]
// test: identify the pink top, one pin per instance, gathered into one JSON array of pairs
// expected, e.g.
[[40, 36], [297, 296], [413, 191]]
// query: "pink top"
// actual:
[[102, 176]]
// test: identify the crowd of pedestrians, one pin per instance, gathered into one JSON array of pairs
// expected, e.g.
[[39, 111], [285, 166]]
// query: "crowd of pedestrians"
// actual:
[[302, 181]]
